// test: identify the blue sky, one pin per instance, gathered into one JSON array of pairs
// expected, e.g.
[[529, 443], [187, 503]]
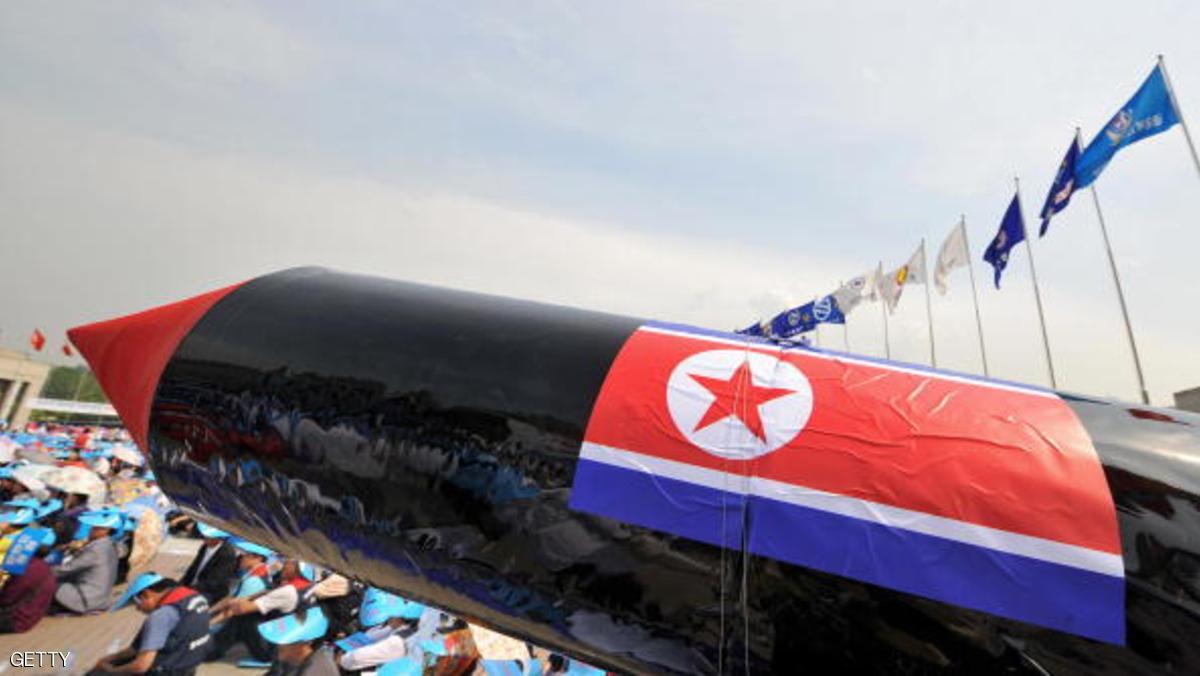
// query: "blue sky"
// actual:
[[697, 162]]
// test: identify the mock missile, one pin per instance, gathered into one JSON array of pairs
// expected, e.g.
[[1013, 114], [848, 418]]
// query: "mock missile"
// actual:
[[660, 498]]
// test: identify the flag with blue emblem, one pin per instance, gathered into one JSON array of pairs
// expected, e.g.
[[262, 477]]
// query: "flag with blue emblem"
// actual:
[[1062, 188], [827, 310], [1149, 112], [1011, 233], [793, 322]]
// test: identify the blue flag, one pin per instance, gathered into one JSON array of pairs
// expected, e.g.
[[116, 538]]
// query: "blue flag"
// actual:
[[1149, 112], [1011, 233], [827, 311], [755, 329], [1062, 188], [794, 322]]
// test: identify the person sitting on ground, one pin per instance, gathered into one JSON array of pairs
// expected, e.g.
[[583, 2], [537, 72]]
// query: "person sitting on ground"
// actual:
[[253, 581], [26, 595], [294, 579], [388, 622], [174, 639], [214, 566], [86, 579], [298, 637]]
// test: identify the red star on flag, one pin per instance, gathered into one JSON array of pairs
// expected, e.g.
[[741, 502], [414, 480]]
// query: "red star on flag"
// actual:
[[739, 397]]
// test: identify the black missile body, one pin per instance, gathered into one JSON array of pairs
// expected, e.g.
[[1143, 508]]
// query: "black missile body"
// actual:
[[426, 441]]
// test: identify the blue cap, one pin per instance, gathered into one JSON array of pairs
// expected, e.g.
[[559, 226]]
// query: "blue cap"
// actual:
[[18, 517], [292, 629], [102, 518], [31, 503], [405, 666], [379, 606], [307, 570], [143, 581], [49, 507], [6, 473], [250, 548], [210, 532]]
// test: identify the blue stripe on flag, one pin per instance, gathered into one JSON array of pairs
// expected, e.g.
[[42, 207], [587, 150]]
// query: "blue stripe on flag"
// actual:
[[1018, 587], [658, 502]]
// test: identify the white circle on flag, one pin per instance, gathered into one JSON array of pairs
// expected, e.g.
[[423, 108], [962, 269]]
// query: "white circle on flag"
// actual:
[[787, 402]]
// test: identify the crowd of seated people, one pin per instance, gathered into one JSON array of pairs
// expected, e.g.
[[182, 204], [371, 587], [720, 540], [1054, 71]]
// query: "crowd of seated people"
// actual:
[[78, 511]]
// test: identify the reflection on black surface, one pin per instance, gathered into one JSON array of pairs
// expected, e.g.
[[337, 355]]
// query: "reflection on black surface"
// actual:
[[425, 441]]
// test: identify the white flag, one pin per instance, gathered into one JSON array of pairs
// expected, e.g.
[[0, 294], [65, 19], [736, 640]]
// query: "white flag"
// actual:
[[953, 254], [891, 285], [855, 291]]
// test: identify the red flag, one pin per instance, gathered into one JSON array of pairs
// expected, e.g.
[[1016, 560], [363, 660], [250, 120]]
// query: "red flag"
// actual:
[[67, 350], [37, 340]]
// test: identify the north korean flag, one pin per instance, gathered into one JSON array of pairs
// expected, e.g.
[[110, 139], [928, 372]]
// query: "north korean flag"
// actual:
[[978, 493]]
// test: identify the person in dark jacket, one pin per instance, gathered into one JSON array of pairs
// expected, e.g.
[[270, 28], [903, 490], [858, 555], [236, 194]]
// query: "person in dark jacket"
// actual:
[[174, 639], [215, 565]]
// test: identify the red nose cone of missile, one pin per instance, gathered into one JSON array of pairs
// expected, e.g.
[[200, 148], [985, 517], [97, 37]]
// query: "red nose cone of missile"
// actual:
[[128, 354]]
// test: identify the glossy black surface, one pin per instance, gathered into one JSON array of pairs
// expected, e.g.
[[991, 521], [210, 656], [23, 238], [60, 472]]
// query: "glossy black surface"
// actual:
[[425, 440]]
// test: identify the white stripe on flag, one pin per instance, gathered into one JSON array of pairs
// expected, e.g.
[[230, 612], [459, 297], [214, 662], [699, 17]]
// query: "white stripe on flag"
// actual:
[[855, 508]]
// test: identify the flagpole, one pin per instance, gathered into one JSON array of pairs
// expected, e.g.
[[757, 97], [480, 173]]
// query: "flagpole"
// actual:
[[845, 324], [816, 326], [928, 305], [1112, 264], [887, 342], [962, 223], [1037, 294], [1187, 135]]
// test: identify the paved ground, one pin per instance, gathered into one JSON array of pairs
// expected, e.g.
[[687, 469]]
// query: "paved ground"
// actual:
[[91, 637]]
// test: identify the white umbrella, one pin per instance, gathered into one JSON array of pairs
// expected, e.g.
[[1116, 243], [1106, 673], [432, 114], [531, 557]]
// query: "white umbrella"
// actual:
[[8, 449], [35, 455], [30, 476], [73, 479], [128, 454]]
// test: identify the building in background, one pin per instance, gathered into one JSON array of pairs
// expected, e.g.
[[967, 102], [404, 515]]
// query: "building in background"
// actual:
[[21, 379], [1188, 400]]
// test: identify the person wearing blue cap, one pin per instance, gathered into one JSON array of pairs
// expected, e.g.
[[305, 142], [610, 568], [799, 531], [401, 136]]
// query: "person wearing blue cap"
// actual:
[[298, 635], [389, 622], [254, 580], [85, 581], [174, 639], [26, 595], [214, 566]]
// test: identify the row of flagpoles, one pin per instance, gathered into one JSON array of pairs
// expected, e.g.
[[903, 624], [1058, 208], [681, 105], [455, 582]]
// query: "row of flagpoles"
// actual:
[[1153, 109]]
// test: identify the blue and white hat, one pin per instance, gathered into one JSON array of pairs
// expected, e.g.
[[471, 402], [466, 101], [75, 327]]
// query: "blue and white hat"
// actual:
[[102, 518], [379, 606], [210, 532], [143, 582], [48, 507], [19, 517], [40, 509], [250, 548], [298, 627]]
